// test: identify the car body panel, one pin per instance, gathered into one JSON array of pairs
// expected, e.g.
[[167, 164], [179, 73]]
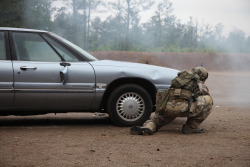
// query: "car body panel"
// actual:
[[43, 87], [21, 29], [6, 84], [108, 71]]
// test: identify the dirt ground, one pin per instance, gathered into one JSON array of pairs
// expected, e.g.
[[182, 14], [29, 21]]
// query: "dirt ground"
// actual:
[[91, 140]]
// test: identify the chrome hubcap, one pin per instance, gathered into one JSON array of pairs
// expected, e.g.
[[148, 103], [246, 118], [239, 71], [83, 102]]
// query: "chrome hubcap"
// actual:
[[130, 106]]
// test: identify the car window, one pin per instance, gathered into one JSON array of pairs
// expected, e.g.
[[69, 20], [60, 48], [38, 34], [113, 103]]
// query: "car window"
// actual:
[[2, 47], [77, 48], [64, 53], [32, 47]]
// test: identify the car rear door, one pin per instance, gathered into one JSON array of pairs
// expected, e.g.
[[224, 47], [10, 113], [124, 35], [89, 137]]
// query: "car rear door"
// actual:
[[6, 72], [49, 77]]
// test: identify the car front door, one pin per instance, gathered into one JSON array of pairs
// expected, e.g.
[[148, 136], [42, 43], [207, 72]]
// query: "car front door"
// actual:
[[6, 73], [47, 75]]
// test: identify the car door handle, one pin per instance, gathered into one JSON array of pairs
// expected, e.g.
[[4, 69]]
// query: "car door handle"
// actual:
[[27, 68]]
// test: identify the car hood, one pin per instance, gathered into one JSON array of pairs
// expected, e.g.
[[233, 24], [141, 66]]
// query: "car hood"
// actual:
[[113, 63]]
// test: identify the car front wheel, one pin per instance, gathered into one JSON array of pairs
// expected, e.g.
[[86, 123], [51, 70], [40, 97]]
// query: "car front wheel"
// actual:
[[129, 105]]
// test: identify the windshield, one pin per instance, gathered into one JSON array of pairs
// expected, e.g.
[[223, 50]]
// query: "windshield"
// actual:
[[77, 48]]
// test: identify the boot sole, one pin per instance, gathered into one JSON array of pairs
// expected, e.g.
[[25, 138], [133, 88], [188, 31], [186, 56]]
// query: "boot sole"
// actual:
[[186, 130]]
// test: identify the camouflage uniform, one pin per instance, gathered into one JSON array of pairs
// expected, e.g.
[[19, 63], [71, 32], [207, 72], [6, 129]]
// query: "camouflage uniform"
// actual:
[[168, 107], [197, 113]]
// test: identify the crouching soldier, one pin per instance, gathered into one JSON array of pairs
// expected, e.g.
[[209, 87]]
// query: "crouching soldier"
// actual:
[[188, 97]]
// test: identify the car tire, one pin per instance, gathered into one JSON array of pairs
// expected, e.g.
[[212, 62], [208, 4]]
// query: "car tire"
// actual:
[[129, 105]]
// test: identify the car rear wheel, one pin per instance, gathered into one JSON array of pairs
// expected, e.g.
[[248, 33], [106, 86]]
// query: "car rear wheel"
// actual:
[[129, 105]]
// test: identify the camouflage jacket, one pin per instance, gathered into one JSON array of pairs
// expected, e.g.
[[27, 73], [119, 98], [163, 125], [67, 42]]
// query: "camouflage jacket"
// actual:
[[191, 82]]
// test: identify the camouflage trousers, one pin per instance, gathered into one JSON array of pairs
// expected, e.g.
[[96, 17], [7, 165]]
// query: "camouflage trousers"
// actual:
[[195, 114]]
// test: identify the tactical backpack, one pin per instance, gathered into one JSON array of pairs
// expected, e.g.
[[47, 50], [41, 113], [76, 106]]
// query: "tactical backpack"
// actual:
[[179, 96], [184, 80]]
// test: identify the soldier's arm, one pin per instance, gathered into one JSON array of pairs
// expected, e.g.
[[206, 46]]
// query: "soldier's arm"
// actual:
[[203, 89]]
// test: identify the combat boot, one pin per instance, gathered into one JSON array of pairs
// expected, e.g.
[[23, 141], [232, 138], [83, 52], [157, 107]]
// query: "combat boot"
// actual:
[[189, 130], [139, 130]]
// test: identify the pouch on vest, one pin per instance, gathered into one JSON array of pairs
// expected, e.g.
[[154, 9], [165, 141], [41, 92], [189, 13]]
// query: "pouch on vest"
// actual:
[[184, 78], [179, 94], [161, 100], [177, 107], [178, 101]]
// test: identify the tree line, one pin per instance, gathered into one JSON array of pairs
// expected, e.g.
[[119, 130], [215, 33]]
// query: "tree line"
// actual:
[[115, 25]]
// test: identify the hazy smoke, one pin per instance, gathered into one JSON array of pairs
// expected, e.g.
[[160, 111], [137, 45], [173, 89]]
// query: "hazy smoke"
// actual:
[[230, 88]]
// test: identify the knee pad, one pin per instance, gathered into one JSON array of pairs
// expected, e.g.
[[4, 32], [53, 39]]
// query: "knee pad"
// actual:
[[204, 100], [208, 99]]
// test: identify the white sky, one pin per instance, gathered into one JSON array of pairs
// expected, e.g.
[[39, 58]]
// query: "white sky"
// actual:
[[231, 13]]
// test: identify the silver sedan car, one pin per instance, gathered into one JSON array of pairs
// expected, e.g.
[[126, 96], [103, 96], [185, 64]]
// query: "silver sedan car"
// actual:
[[41, 73]]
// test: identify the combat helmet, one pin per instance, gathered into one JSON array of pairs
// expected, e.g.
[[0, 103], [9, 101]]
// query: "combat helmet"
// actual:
[[201, 72]]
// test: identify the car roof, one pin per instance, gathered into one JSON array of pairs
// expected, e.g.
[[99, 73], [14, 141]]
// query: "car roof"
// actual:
[[20, 29]]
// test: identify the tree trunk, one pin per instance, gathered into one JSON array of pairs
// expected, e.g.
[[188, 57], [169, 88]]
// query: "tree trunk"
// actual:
[[128, 23], [88, 24], [75, 27], [84, 25]]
